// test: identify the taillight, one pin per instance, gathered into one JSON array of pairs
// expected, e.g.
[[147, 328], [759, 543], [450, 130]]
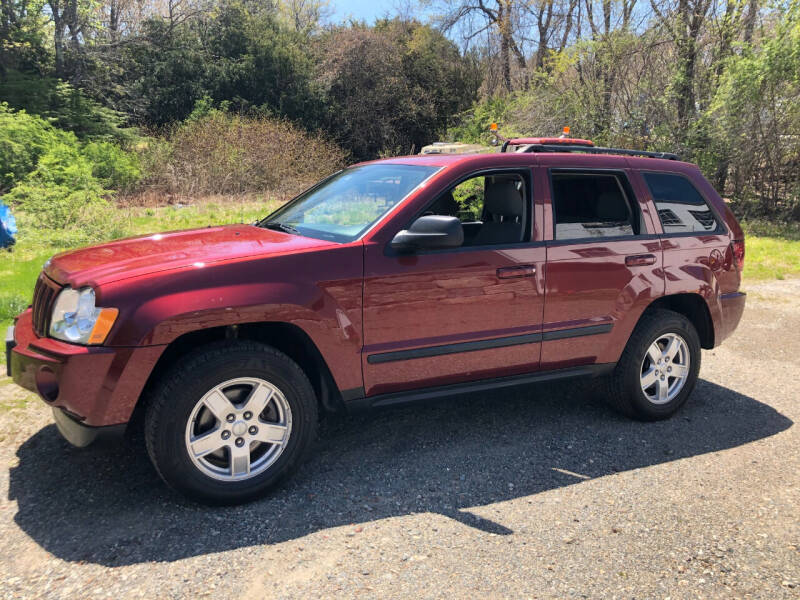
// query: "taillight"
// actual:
[[738, 253]]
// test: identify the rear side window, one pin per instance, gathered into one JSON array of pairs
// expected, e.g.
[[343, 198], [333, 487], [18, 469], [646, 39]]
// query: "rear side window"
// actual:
[[591, 205], [680, 206]]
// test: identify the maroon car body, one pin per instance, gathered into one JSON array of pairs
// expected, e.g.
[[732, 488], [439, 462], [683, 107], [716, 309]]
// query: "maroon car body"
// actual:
[[359, 312]]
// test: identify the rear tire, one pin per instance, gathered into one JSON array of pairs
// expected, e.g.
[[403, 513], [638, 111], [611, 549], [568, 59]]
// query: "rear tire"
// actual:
[[658, 368], [229, 421]]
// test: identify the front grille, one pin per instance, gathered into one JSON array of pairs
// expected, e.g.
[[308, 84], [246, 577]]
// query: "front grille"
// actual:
[[44, 296]]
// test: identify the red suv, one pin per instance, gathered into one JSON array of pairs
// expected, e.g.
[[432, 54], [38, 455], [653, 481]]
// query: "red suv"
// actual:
[[391, 281]]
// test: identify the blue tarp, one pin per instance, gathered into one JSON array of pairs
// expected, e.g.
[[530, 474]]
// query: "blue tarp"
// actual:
[[8, 227]]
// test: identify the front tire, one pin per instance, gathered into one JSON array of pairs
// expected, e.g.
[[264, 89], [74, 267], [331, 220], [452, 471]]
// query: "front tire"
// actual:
[[658, 368], [229, 421]]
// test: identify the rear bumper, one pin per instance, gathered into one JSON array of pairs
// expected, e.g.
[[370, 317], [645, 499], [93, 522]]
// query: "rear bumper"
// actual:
[[732, 306], [95, 386]]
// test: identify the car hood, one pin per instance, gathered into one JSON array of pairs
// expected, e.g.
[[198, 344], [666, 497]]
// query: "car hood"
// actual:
[[131, 257]]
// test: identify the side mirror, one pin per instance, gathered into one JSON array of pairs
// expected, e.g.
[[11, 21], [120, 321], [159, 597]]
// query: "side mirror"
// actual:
[[430, 232]]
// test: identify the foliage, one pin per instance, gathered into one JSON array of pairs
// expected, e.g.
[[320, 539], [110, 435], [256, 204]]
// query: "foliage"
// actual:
[[222, 153], [63, 106], [23, 139], [233, 54], [116, 168], [715, 81], [62, 193], [755, 121], [23, 36], [392, 88], [30, 148]]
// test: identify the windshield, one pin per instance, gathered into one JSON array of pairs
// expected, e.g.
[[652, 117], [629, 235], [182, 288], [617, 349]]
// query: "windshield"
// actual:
[[345, 205]]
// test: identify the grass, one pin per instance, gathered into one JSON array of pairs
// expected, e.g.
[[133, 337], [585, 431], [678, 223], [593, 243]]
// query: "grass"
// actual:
[[772, 251]]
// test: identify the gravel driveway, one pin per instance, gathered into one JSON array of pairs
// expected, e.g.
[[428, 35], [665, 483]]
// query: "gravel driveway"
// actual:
[[542, 492]]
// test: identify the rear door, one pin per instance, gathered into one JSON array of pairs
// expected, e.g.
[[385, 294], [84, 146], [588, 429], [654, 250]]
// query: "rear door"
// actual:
[[603, 261]]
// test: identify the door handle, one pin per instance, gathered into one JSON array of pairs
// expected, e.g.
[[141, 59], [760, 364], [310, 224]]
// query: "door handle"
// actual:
[[518, 271], [640, 260]]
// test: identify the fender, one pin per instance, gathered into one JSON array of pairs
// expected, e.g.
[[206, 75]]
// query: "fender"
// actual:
[[320, 292]]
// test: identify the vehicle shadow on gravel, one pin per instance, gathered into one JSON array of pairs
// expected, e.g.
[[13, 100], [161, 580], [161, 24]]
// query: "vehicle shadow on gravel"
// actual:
[[107, 505]]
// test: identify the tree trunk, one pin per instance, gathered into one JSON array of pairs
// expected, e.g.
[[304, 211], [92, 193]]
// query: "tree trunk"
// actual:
[[503, 22]]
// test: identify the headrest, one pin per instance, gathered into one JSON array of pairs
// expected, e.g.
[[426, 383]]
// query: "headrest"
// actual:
[[611, 207], [503, 198]]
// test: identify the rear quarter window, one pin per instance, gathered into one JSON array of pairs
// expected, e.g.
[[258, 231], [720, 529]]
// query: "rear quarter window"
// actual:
[[680, 206]]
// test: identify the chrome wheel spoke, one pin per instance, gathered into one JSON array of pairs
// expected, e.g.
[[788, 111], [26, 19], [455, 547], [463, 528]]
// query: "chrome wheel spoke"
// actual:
[[663, 390], [207, 443], [672, 348], [271, 433], [679, 371], [654, 352], [240, 460], [218, 404], [649, 378], [258, 399]]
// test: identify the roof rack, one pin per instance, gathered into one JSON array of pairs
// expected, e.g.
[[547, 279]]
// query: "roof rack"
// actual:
[[587, 149]]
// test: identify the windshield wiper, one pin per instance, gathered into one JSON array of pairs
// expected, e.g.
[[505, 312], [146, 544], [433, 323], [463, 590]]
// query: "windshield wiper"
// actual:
[[285, 227]]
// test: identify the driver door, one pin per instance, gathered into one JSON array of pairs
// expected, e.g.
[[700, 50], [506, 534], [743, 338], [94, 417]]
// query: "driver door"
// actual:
[[439, 317]]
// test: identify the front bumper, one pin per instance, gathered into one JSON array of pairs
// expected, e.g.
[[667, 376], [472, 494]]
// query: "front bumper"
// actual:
[[80, 435], [94, 386]]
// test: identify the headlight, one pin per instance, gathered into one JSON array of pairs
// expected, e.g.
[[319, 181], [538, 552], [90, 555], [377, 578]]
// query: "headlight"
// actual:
[[76, 319]]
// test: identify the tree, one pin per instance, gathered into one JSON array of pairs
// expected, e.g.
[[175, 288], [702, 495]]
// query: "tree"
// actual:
[[392, 88]]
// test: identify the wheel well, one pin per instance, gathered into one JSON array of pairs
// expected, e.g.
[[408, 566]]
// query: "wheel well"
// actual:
[[288, 338], [694, 308]]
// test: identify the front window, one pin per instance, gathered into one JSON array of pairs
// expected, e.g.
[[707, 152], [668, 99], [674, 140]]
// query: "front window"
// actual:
[[492, 208], [347, 204]]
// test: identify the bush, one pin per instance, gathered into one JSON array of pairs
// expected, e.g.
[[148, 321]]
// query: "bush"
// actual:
[[63, 106], [23, 139], [228, 154], [113, 166], [63, 194]]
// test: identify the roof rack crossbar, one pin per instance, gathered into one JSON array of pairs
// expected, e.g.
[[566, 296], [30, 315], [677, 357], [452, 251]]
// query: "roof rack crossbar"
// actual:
[[597, 150]]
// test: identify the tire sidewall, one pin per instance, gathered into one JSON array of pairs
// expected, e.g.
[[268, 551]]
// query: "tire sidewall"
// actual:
[[676, 324], [169, 427]]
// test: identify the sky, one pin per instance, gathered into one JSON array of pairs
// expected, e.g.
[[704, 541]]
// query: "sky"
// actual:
[[361, 10]]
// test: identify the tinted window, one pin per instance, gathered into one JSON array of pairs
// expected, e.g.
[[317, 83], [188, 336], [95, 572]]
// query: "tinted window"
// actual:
[[348, 203], [680, 206], [588, 205]]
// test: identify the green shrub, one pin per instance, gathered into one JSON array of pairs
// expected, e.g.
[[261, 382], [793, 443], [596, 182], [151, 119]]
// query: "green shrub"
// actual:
[[63, 106], [63, 194], [23, 139], [116, 168]]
